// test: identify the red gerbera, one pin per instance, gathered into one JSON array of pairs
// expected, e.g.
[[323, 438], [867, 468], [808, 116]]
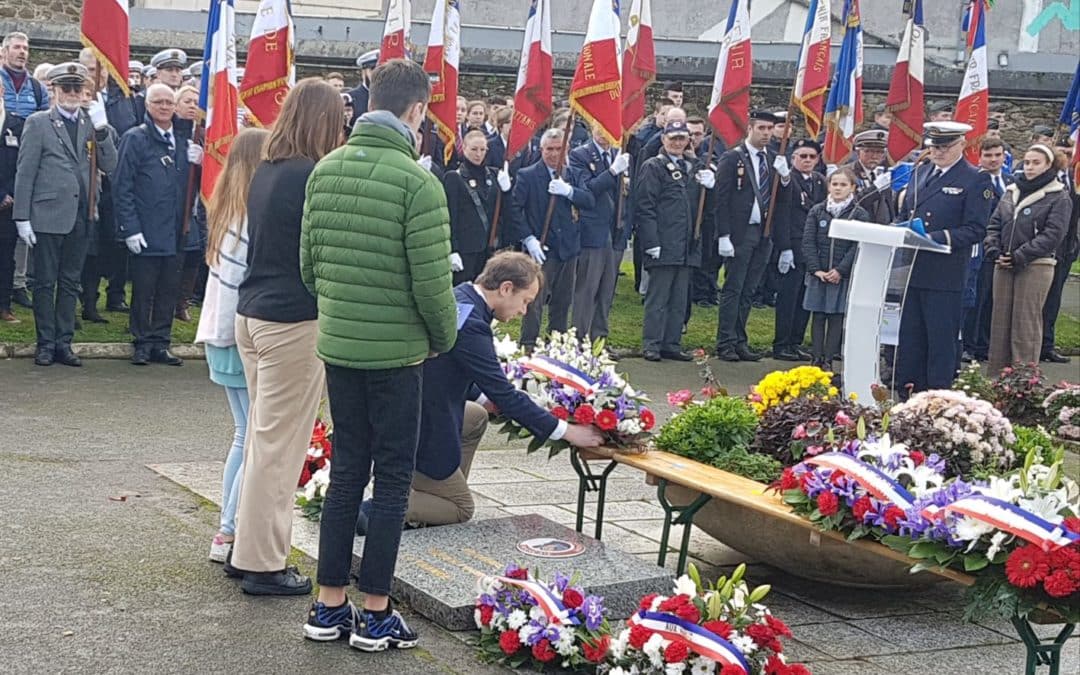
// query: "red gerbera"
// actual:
[[572, 598], [596, 653], [861, 507], [720, 628], [676, 652], [827, 503], [917, 457], [543, 652], [648, 419], [585, 414], [788, 480], [1067, 559], [560, 412], [1026, 566], [646, 602], [639, 635], [778, 626], [486, 612], [509, 642], [893, 514], [1060, 584], [606, 420]]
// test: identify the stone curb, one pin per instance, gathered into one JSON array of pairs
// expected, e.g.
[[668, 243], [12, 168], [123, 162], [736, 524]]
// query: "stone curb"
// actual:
[[99, 350]]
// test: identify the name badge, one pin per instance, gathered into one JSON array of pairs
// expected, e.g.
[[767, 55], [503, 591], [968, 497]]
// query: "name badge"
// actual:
[[11, 140], [952, 190]]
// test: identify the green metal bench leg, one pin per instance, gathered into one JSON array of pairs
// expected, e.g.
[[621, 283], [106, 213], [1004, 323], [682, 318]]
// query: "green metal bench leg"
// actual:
[[590, 482], [1038, 652], [677, 515]]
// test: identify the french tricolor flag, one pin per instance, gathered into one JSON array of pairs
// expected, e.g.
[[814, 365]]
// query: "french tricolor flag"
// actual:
[[596, 91], [532, 95], [729, 106], [812, 78], [1010, 518], [639, 64], [104, 30], [698, 639], [441, 63], [873, 480], [395, 38], [269, 71], [218, 97], [973, 107], [906, 99], [844, 109]]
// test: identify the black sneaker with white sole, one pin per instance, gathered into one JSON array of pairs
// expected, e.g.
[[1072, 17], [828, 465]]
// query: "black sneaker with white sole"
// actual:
[[326, 624], [381, 633]]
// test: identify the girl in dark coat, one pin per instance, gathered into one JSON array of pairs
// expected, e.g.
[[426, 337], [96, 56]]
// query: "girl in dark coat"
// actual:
[[828, 266]]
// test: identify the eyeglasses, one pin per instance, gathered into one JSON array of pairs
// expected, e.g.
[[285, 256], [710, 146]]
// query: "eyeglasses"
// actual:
[[163, 102], [805, 155], [70, 88]]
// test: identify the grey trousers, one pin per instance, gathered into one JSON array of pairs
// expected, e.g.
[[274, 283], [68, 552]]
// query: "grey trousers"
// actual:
[[22, 259], [449, 501], [594, 290], [557, 293], [665, 308], [58, 263]]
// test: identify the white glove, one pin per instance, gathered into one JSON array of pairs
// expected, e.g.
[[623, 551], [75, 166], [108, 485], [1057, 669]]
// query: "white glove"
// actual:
[[96, 111], [532, 245], [26, 233], [707, 178], [653, 252], [136, 243], [455, 263], [504, 180], [425, 162], [883, 181], [560, 188], [787, 261], [725, 248], [620, 164], [781, 166], [194, 153]]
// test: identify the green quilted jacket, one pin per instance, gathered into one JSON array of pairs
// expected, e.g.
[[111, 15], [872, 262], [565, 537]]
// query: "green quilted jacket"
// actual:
[[375, 252]]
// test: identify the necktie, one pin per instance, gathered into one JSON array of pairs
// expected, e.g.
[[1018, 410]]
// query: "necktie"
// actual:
[[934, 175], [999, 186], [169, 140], [764, 177]]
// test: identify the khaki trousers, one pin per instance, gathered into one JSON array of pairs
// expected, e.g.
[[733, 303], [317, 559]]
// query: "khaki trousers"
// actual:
[[449, 501], [1016, 323], [285, 382]]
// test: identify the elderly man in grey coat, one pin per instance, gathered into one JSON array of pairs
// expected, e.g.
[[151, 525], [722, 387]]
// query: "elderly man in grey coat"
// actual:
[[52, 203]]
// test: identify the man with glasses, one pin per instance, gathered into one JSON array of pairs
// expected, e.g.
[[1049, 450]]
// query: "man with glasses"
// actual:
[[953, 199], [874, 189], [149, 190], [52, 201]]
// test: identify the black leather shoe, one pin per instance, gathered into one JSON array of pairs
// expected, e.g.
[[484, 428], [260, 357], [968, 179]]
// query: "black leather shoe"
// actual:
[[141, 357], [68, 358], [285, 582], [166, 357], [803, 354], [652, 356], [93, 316], [122, 307], [20, 296], [786, 355], [676, 356], [728, 354], [44, 357], [747, 355], [1053, 356]]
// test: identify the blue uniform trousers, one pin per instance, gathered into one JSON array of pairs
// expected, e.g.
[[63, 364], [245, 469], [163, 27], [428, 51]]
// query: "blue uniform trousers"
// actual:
[[929, 326]]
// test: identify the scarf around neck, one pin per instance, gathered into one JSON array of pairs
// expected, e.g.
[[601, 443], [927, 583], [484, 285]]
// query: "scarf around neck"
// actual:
[[836, 208]]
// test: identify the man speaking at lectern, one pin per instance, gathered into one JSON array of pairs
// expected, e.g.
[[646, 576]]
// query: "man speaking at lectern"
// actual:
[[953, 199]]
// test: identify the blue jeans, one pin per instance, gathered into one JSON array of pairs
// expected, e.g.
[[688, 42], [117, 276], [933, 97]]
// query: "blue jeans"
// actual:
[[376, 417], [234, 462]]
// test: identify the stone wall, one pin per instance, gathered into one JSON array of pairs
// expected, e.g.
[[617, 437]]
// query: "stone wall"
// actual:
[[59, 11]]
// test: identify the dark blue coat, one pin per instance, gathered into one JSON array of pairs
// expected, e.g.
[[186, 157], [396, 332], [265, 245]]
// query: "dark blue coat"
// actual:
[[591, 169], [449, 377], [955, 209], [496, 154], [530, 201], [149, 187]]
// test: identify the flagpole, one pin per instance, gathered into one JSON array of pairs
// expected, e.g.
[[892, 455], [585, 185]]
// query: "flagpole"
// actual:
[[781, 153], [189, 197], [92, 197], [558, 174], [493, 236], [701, 195]]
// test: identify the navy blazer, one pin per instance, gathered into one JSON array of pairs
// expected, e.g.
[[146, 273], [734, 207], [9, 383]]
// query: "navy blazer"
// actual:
[[955, 209], [737, 190], [530, 208], [149, 187], [592, 171], [496, 154], [449, 377]]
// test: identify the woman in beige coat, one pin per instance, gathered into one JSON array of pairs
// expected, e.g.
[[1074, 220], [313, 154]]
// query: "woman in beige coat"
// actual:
[[1026, 228]]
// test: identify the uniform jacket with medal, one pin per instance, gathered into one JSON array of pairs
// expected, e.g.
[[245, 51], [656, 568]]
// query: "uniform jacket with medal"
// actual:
[[736, 191], [592, 171], [805, 193], [666, 207], [52, 173], [149, 188], [468, 230], [954, 208], [530, 207]]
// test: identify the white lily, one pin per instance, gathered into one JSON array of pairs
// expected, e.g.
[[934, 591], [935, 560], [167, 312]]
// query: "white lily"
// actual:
[[1005, 489], [505, 347], [969, 529], [996, 542], [684, 585], [882, 449], [923, 478], [1046, 506]]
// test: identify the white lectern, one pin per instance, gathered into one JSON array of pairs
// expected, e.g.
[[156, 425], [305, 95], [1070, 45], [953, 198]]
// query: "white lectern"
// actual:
[[866, 295]]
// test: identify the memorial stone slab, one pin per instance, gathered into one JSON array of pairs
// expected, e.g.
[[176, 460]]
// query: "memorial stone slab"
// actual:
[[438, 567]]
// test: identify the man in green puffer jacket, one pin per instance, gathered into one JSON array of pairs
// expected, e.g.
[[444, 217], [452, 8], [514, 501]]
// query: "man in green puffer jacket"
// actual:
[[375, 252]]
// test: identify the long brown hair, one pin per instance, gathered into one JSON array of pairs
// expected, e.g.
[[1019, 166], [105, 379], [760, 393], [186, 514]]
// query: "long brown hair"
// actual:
[[228, 206], [309, 124]]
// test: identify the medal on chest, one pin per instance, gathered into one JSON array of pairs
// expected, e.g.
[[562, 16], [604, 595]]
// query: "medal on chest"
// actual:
[[676, 175], [740, 174]]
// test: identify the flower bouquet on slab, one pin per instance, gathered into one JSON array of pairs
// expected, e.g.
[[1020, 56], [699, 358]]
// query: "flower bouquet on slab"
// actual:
[[315, 475], [525, 621], [715, 629], [577, 382]]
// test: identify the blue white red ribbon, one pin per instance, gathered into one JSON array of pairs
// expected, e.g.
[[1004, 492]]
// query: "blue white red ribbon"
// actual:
[[701, 641], [872, 479], [561, 373], [546, 600], [1009, 518]]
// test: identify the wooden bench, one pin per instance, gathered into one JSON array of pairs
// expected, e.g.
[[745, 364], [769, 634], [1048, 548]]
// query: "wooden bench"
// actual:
[[664, 468]]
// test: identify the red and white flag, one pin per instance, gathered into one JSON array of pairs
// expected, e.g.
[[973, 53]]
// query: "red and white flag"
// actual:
[[269, 71], [905, 100], [532, 96], [441, 62], [729, 106], [596, 91], [219, 96], [812, 77], [104, 31], [973, 107], [639, 64], [395, 37]]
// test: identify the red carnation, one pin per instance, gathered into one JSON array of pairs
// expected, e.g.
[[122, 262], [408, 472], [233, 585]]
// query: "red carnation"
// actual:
[[676, 652], [827, 503], [778, 626], [518, 573], [596, 653], [1067, 559], [688, 612], [1072, 524], [648, 419], [1026, 566], [646, 602], [639, 635], [560, 412], [674, 602], [572, 598], [774, 666], [732, 669], [543, 652], [788, 479], [509, 642], [804, 482], [893, 514], [764, 636], [861, 507], [584, 414], [305, 476], [486, 612], [917, 457], [720, 628], [606, 420], [1060, 584]]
